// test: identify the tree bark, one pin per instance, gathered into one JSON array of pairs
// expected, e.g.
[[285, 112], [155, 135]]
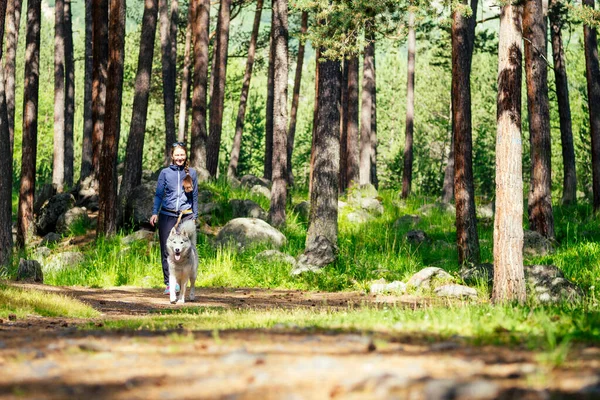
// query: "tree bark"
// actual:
[[268, 169], [352, 135], [241, 116], [280, 115], [463, 38], [58, 166], [373, 140], [564, 107], [107, 196], [69, 96], [448, 185], [185, 81], [343, 125], [132, 175], [296, 97], [168, 75], [323, 220], [541, 219], [88, 125], [200, 29], [30, 119], [6, 165], [509, 281], [410, 108], [13, 20], [218, 95], [311, 167], [99, 73], [366, 109], [593, 86]]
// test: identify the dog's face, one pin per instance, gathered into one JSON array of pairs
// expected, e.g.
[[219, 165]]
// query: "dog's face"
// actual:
[[178, 244]]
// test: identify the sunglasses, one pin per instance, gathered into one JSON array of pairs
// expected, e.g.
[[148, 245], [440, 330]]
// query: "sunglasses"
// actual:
[[180, 144]]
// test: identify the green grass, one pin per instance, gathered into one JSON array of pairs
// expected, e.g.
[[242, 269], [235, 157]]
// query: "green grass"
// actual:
[[23, 303], [367, 252]]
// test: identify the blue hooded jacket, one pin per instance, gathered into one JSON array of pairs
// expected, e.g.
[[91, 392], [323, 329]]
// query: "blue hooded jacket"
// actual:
[[170, 197]]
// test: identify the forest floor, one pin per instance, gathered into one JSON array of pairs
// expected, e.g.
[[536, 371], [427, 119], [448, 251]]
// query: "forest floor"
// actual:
[[52, 358]]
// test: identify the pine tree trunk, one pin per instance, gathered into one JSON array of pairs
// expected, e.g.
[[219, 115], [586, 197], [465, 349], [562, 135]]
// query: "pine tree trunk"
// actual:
[[30, 116], [593, 86], [132, 174], [99, 73], [410, 109], [374, 179], [541, 219], [268, 168], [6, 165], [241, 116], [564, 107], [13, 21], [58, 166], [352, 136], [280, 115], [88, 125], [463, 38], [296, 97], [107, 196], [366, 108], [448, 185], [200, 29], [311, 167], [217, 99], [185, 80], [509, 281], [69, 96], [343, 125], [167, 73], [323, 220]]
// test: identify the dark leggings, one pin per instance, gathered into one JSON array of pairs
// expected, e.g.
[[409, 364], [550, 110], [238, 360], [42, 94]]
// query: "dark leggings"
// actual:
[[165, 224]]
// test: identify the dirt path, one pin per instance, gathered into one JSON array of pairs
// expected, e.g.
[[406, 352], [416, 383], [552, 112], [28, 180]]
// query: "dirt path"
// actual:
[[49, 358]]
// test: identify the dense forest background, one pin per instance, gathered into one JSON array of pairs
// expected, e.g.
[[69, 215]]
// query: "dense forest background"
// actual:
[[432, 99]]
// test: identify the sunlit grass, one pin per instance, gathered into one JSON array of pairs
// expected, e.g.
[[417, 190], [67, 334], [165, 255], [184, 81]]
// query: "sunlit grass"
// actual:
[[23, 303]]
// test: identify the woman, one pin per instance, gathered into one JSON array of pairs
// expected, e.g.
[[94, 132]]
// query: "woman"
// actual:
[[176, 194]]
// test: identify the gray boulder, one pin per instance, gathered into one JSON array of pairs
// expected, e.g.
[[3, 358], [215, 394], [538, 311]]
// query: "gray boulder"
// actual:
[[417, 237], [249, 181], [86, 193], [138, 208], [426, 277], [259, 190], [51, 238], [372, 206], [359, 217], [548, 284], [51, 211], [407, 220], [247, 209], [302, 209], [381, 286], [70, 217], [142, 234], [357, 193], [453, 290], [534, 244], [212, 209], [247, 232], [41, 252], [30, 271], [65, 260], [318, 254], [275, 256], [43, 193]]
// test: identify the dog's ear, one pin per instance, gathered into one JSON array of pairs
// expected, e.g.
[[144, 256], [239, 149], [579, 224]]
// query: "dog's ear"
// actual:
[[173, 231]]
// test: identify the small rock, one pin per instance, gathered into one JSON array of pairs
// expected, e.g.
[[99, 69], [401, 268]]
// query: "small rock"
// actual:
[[534, 244], [261, 190], [142, 234], [408, 219], [424, 277], [378, 287], [30, 271], [50, 238], [417, 237], [302, 209], [455, 291]]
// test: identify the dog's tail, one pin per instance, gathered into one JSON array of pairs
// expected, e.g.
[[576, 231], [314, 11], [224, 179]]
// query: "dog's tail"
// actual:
[[189, 227]]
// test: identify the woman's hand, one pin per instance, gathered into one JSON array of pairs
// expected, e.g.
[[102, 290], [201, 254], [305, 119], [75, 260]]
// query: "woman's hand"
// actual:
[[153, 219]]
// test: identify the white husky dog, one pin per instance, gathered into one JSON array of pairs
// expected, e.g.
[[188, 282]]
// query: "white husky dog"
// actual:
[[182, 259]]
